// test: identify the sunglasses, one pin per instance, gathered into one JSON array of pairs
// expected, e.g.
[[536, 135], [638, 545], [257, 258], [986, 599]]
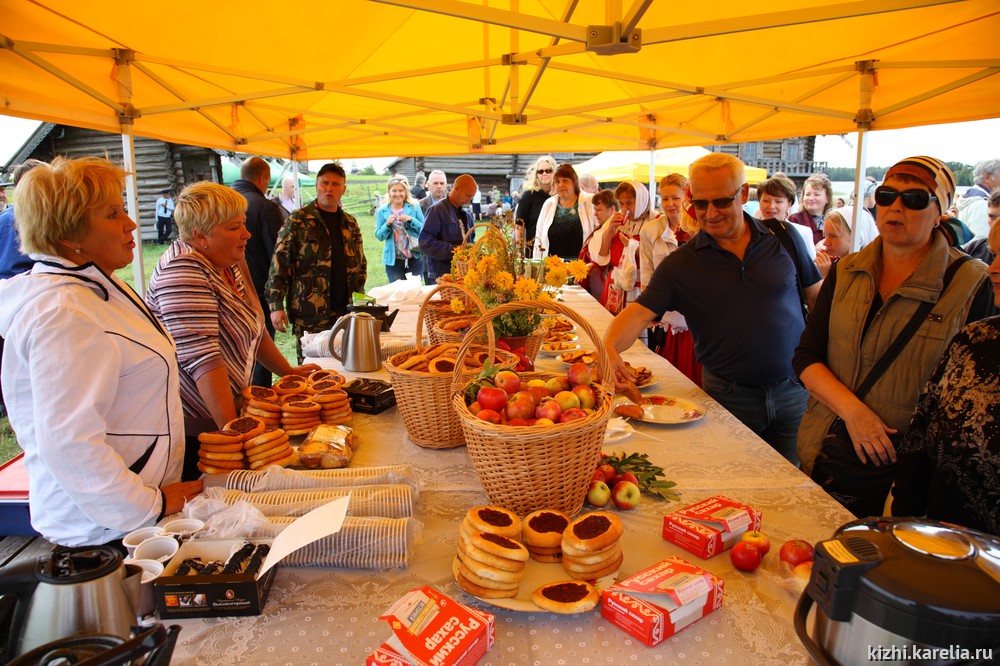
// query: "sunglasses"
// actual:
[[912, 199], [543, 171], [702, 204]]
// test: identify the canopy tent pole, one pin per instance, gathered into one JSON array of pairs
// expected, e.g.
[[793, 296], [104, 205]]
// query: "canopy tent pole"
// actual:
[[864, 121], [132, 195], [652, 176]]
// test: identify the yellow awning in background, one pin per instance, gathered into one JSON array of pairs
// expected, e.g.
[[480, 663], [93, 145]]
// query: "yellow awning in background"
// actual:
[[614, 166], [425, 77]]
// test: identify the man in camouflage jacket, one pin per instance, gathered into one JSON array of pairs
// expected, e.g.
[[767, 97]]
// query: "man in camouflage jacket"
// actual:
[[313, 272]]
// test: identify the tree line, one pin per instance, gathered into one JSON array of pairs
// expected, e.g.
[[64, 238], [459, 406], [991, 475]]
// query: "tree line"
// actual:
[[963, 173]]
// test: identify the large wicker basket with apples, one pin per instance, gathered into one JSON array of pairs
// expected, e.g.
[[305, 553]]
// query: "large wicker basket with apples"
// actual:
[[423, 395], [525, 468]]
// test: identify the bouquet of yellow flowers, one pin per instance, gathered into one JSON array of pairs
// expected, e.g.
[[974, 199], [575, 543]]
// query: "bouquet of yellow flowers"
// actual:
[[498, 278]]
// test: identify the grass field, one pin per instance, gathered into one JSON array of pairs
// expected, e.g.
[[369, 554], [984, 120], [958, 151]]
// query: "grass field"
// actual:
[[354, 201]]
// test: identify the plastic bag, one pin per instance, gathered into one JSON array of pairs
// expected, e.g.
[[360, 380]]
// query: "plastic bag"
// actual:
[[223, 520], [316, 344], [327, 447]]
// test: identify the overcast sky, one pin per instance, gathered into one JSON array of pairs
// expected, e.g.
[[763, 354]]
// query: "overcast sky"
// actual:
[[958, 142]]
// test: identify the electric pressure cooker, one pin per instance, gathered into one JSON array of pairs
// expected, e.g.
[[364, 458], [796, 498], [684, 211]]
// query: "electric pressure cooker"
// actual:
[[901, 590]]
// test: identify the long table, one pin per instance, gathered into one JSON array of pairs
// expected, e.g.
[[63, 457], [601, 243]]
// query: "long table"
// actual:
[[330, 616]]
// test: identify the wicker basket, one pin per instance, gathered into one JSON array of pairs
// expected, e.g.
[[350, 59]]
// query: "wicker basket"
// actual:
[[530, 468], [436, 310], [424, 399], [435, 334], [460, 268]]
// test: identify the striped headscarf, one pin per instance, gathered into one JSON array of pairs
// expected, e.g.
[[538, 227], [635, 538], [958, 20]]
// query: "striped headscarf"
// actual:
[[930, 171]]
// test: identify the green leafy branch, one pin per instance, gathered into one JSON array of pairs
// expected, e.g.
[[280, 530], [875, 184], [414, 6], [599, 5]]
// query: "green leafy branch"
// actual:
[[648, 474]]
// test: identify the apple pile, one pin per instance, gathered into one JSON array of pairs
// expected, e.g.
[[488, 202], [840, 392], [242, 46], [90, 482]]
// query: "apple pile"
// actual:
[[608, 485], [753, 546], [501, 398]]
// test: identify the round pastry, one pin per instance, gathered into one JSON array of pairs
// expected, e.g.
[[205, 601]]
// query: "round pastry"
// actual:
[[264, 405], [269, 435], [223, 464], [467, 551], [494, 520], [324, 385], [500, 546], [300, 421], [222, 448], [290, 384], [280, 462], [477, 590], [340, 420], [443, 365], [214, 469], [570, 565], [566, 596], [604, 556], [593, 531], [629, 411], [260, 393], [267, 448], [543, 550], [215, 456], [220, 437], [546, 558], [329, 396], [544, 528], [247, 426], [594, 575], [321, 375], [301, 430], [486, 576], [299, 407]]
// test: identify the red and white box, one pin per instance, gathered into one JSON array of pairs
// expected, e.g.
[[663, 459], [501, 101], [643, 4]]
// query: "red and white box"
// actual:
[[710, 526], [657, 602], [430, 628]]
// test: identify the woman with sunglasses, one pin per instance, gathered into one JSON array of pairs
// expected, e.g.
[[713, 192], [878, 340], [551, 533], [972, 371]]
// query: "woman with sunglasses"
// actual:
[[865, 303], [539, 184]]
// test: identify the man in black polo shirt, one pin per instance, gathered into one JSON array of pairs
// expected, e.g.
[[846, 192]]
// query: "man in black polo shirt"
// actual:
[[736, 284], [444, 227]]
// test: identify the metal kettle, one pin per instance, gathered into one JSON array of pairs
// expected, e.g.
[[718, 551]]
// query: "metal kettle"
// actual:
[[359, 349], [73, 591]]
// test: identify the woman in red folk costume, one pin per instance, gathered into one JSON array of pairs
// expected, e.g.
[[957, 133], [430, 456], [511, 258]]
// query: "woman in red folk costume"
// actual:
[[616, 245]]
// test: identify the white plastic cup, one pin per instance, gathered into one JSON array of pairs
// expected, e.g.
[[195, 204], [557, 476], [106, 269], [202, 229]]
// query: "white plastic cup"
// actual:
[[133, 539], [159, 548], [184, 527], [150, 570]]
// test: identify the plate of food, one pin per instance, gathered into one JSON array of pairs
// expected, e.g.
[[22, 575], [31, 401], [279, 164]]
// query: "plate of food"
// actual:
[[660, 409], [560, 336], [537, 574], [588, 356], [557, 348], [557, 323]]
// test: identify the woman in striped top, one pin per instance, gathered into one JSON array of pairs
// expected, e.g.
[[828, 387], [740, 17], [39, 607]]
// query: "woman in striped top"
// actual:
[[199, 293]]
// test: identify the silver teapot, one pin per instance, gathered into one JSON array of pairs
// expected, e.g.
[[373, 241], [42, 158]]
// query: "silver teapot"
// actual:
[[71, 592], [359, 348]]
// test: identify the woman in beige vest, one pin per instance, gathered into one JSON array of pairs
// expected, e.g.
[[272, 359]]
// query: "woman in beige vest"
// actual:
[[863, 306]]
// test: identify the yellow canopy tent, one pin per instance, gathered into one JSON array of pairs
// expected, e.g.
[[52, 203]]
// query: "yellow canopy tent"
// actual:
[[390, 77], [614, 166]]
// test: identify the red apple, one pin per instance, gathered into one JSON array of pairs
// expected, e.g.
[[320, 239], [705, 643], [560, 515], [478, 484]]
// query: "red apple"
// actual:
[[543, 422], [548, 409], [803, 571], [580, 374], [599, 475], [490, 415], [624, 476], [536, 382], [567, 400], [521, 406], [586, 396], [609, 472], [572, 414], [745, 556], [626, 495], [757, 539], [557, 384], [474, 408], [508, 381], [492, 398], [598, 494], [516, 421], [795, 552], [538, 392]]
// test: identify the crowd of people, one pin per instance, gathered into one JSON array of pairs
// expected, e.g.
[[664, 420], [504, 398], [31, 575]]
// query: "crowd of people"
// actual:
[[861, 344]]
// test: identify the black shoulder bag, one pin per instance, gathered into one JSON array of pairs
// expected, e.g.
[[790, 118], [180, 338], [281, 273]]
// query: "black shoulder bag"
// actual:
[[777, 227], [863, 487]]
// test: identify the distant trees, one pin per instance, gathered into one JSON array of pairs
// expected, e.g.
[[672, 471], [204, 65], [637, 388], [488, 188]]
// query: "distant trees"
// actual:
[[963, 173]]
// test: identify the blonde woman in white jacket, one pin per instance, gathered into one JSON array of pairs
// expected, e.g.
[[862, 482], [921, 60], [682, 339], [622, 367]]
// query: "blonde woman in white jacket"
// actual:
[[89, 375], [566, 219]]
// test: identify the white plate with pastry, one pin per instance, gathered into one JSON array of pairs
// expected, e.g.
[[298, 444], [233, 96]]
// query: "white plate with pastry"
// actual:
[[558, 348], [666, 410], [537, 574]]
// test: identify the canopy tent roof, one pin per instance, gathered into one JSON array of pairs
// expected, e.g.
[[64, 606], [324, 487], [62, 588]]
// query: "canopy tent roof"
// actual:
[[389, 77], [614, 166]]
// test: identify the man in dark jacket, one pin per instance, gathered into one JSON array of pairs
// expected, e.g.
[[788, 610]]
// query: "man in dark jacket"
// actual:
[[263, 222], [445, 225]]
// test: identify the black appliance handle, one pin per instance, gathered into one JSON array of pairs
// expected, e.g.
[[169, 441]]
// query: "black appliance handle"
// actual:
[[799, 620], [20, 581]]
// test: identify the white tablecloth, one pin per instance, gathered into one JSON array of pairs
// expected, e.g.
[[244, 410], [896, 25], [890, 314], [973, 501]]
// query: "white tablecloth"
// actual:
[[330, 616]]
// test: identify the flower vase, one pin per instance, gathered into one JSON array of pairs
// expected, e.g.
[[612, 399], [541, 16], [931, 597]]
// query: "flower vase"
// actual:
[[515, 344]]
